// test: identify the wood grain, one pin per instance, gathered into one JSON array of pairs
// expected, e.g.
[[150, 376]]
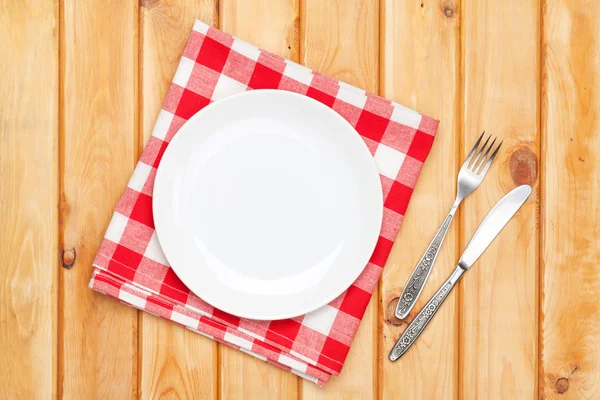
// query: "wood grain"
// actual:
[[570, 250], [340, 39], [28, 198], [98, 335], [173, 362], [271, 25], [498, 313], [417, 39], [245, 377]]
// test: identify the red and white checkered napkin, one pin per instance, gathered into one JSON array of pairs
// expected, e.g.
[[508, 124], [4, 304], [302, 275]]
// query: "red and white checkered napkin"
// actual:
[[130, 264]]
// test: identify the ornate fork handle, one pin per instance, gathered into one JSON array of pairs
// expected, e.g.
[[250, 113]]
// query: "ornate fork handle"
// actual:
[[419, 276], [417, 326]]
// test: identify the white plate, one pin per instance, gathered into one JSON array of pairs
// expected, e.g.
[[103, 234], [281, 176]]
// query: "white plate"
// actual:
[[267, 204]]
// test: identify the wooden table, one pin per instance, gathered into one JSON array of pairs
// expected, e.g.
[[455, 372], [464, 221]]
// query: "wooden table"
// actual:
[[81, 83]]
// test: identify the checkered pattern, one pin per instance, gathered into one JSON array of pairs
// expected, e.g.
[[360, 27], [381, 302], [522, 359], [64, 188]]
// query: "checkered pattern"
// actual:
[[131, 266]]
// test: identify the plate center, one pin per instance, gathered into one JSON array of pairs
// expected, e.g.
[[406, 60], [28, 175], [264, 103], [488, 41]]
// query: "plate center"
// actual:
[[284, 190]]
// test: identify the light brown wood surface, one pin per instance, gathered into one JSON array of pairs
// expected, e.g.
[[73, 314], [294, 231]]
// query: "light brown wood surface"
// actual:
[[569, 353], [166, 369], [28, 199], [498, 303], [81, 83], [97, 337]]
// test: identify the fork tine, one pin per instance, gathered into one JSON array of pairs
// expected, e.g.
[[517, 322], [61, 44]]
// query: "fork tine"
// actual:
[[473, 150], [479, 153], [486, 166], [483, 158]]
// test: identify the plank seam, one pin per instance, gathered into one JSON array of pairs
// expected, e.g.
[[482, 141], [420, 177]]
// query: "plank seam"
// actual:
[[60, 227], [540, 176]]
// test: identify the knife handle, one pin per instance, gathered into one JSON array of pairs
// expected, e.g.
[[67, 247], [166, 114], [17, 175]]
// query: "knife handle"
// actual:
[[417, 326], [416, 282]]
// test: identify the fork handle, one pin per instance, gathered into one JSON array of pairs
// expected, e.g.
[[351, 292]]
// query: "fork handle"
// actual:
[[416, 282], [418, 325]]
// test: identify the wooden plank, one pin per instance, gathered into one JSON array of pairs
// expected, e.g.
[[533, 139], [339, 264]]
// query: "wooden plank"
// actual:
[[273, 26], [28, 198], [570, 224], [245, 377], [498, 331], [173, 361], [419, 38], [341, 39], [97, 335]]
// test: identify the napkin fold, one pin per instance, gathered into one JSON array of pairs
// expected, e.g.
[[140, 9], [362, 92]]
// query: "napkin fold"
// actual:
[[131, 266]]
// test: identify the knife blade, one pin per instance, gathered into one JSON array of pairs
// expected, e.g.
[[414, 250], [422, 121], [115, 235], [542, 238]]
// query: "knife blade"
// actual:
[[487, 231], [493, 223]]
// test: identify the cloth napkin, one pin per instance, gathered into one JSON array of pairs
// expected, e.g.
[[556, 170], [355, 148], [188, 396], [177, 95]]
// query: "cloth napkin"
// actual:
[[131, 266]]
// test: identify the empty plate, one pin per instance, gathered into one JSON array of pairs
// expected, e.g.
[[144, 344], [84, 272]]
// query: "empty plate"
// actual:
[[267, 204]]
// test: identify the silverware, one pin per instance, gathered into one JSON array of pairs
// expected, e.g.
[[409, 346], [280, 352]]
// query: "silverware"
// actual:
[[493, 223], [469, 177]]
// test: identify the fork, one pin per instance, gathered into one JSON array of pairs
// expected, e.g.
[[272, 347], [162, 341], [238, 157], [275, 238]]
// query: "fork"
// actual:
[[470, 176]]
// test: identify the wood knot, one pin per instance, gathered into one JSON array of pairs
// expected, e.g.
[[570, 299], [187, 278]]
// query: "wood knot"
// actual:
[[68, 258], [562, 385], [523, 166], [391, 313], [448, 8]]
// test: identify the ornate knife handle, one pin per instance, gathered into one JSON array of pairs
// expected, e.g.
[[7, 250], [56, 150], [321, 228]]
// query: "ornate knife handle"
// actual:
[[417, 326], [419, 276]]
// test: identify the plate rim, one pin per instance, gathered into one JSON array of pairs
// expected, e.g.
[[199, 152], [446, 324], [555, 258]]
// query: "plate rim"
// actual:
[[356, 136]]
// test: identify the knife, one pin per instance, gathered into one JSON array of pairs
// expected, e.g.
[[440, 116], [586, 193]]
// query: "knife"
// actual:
[[489, 228]]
